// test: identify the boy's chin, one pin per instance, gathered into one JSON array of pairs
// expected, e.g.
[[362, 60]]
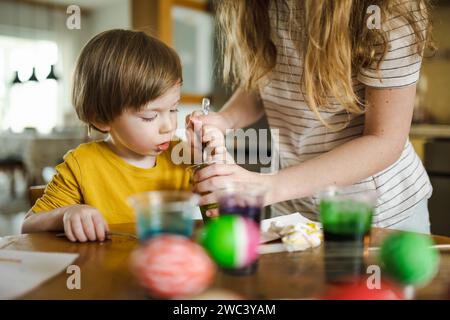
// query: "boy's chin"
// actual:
[[155, 152], [149, 153]]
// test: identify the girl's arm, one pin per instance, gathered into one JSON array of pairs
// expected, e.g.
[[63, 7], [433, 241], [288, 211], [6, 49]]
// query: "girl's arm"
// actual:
[[387, 123]]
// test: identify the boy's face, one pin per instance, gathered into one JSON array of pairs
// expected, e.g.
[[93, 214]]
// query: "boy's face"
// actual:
[[148, 131]]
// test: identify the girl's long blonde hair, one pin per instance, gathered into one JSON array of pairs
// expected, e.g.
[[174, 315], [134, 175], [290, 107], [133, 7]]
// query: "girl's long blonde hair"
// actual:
[[338, 42]]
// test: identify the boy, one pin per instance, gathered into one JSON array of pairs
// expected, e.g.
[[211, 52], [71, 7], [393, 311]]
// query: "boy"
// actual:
[[126, 84]]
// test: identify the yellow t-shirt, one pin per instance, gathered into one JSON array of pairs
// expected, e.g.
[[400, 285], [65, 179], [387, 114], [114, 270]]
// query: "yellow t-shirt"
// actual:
[[93, 174]]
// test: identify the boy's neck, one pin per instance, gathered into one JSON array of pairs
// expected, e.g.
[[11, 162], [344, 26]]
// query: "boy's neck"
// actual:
[[135, 159]]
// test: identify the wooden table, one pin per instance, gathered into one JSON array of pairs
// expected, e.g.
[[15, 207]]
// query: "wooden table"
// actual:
[[105, 270]]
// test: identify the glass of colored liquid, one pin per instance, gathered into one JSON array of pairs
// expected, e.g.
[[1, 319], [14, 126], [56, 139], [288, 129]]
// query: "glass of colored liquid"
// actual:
[[162, 212], [346, 218], [246, 200], [203, 208]]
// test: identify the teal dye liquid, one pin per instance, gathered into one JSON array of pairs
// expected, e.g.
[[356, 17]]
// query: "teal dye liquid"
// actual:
[[173, 222]]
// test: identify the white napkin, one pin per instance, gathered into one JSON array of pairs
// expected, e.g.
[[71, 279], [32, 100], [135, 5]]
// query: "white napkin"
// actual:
[[283, 221], [296, 231]]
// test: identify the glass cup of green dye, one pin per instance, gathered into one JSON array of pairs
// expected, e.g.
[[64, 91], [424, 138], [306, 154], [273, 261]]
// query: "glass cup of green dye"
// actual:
[[164, 212], [346, 218]]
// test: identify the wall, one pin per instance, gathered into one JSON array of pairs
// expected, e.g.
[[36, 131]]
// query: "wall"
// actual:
[[115, 14], [437, 70]]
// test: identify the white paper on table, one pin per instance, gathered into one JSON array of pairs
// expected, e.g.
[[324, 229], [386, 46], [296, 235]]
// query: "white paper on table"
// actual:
[[22, 271], [282, 221], [6, 241]]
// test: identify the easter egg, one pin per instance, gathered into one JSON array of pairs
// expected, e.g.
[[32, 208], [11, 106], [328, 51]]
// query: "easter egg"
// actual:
[[409, 258], [361, 291], [171, 266], [231, 240]]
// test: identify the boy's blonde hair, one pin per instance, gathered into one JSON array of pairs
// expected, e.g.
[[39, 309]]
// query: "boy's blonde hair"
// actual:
[[121, 69]]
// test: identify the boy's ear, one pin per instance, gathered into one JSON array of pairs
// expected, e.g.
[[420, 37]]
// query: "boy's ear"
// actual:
[[102, 127]]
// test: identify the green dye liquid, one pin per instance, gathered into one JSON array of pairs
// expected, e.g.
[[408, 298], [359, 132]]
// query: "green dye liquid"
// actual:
[[346, 217]]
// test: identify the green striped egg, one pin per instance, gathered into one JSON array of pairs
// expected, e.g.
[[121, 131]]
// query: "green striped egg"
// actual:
[[231, 240]]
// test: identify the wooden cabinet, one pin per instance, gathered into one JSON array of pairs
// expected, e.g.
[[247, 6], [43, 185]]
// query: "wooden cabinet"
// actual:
[[156, 17]]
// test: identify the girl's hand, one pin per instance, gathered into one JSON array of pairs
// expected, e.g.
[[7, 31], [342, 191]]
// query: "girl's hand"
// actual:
[[84, 223], [198, 125], [206, 138], [214, 145], [214, 119], [217, 175]]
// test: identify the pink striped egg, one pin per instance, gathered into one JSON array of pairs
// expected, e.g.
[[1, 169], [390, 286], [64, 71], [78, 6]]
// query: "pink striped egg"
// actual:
[[171, 266]]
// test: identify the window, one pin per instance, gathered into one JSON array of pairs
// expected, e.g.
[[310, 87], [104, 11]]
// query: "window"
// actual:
[[30, 103], [193, 40]]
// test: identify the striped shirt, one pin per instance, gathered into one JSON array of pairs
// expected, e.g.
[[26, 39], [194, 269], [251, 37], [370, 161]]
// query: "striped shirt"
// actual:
[[302, 136]]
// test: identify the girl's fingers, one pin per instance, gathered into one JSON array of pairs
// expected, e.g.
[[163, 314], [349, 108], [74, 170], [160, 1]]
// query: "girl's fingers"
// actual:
[[196, 116], [187, 120], [207, 199], [222, 156], [88, 227], [213, 135], [211, 184], [193, 140], [212, 170], [212, 212], [77, 229], [220, 150], [213, 142], [189, 117], [213, 147], [68, 231], [99, 227]]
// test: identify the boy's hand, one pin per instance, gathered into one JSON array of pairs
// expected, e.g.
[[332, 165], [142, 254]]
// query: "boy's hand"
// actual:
[[84, 223]]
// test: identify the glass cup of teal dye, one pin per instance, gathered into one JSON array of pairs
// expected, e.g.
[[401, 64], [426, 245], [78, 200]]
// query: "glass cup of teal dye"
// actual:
[[164, 212], [346, 218]]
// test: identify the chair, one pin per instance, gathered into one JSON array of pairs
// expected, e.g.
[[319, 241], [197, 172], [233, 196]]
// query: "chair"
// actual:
[[10, 165], [34, 193]]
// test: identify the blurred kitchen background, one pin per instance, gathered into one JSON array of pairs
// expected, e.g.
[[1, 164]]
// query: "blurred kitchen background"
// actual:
[[38, 49]]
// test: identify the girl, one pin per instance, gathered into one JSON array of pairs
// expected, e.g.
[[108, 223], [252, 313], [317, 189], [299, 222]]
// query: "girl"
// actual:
[[339, 93]]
